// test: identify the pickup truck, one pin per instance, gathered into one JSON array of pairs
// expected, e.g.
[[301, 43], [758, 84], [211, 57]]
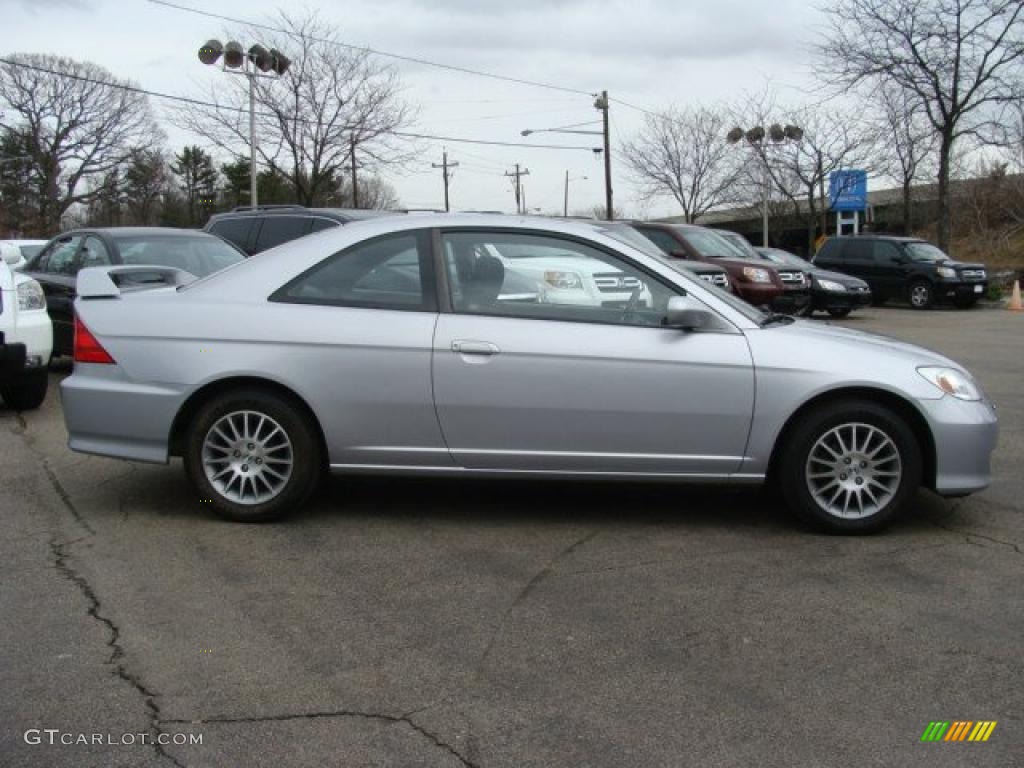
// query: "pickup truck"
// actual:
[[26, 339]]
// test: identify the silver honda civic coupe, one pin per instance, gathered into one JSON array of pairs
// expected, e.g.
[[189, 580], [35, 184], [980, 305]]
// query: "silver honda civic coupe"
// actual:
[[498, 346]]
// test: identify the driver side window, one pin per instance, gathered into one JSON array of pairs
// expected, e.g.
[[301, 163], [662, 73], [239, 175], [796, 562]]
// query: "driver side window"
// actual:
[[548, 278]]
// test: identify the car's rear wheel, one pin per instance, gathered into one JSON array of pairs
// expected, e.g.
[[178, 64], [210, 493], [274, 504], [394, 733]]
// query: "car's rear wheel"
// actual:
[[839, 313], [849, 467], [921, 294], [27, 392], [253, 456]]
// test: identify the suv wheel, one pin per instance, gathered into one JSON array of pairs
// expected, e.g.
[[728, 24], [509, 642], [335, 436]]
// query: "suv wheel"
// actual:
[[27, 392], [253, 456], [921, 294], [850, 467]]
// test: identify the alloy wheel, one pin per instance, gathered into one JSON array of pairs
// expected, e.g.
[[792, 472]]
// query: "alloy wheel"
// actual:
[[247, 457], [853, 470]]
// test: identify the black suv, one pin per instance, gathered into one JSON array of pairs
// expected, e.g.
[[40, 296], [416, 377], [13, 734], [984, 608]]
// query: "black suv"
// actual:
[[257, 230], [907, 268]]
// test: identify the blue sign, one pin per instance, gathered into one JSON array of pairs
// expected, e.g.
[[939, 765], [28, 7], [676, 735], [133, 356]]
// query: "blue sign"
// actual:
[[848, 190]]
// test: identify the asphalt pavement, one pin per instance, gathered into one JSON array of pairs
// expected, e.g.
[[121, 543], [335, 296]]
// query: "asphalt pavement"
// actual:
[[458, 623]]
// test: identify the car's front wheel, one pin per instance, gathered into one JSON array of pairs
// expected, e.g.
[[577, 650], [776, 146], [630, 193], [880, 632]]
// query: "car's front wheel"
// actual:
[[849, 467], [27, 392], [921, 294], [253, 456]]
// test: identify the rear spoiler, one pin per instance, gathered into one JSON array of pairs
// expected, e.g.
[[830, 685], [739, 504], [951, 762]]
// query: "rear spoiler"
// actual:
[[101, 282]]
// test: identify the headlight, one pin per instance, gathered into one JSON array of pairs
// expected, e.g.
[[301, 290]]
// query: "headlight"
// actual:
[[567, 281], [31, 296], [952, 382], [756, 275], [832, 285], [947, 272]]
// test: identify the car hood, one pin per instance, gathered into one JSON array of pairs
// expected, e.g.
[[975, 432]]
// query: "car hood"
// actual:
[[837, 277], [848, 342], [736, 262], [962, 264]]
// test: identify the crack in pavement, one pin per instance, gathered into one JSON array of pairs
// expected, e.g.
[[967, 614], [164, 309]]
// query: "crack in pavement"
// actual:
[[65, 497], [59, 550], [968, 535], [528, 588], [340, 713]]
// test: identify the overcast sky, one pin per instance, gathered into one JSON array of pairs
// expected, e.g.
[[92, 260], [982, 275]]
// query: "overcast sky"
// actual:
[[648, 52]]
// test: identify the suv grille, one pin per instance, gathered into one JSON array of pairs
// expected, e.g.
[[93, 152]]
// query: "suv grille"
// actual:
[[717, 278], [973, 274], [793, 279], [615, 282]]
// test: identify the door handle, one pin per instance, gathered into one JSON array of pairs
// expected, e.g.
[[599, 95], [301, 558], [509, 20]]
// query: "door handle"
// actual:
[[475, 348]]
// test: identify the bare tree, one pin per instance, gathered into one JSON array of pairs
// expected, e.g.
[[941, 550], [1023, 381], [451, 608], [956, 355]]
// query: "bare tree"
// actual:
[[906, 143], [79, 122], [959, 58], [332, 102], [683, 153]]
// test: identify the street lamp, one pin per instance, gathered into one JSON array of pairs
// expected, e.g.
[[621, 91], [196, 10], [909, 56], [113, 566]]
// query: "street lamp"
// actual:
[[756, 137], [565, 209], [238, 62], [600, 103]]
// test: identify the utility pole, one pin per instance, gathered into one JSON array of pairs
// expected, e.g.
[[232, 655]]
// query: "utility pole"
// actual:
[[601, 103], [518, 174], [355, 187], [444, 166]]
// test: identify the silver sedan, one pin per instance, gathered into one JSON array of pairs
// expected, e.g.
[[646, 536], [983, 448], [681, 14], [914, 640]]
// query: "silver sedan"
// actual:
[[407, 345]]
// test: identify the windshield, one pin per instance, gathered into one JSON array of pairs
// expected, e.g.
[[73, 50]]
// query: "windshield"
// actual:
[[200, 255], [710, 244], [783, 257], [629, 236], [738, 242], [925, 252]]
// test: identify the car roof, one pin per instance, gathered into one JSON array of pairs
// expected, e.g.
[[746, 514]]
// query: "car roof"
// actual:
[[344, 214]]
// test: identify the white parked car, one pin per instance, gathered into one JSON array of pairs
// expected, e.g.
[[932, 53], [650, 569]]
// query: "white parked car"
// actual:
[[26, 337], [17, 252]]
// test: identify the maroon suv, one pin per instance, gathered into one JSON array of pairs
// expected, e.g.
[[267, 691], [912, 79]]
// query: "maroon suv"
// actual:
[[756, 282]]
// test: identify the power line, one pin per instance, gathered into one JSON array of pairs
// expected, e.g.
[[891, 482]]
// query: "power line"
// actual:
[[376, 51], [240, 110], [631, 106]]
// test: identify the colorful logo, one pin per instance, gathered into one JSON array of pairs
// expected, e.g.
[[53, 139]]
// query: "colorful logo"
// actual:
[[959, 730]]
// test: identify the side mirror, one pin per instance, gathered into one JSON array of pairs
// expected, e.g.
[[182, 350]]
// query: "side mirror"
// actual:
[[681, 313], [11, 254], [678, 253]]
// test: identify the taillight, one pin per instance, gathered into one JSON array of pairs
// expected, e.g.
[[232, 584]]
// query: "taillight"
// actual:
[[87, 348]]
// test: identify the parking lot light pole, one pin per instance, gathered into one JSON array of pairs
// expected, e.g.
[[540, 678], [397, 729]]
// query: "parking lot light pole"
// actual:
[[238, 62], [602, 104], [565, 207], [757, 140]]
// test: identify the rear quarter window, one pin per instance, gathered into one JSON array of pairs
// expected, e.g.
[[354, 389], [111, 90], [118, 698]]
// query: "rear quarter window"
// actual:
[[277, 230], [234, 231]]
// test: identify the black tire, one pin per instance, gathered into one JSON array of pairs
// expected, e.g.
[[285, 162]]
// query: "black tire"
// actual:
[[967, 303], [839, 313], [304, 451], [27, 392], [814, 426], [920, 294]]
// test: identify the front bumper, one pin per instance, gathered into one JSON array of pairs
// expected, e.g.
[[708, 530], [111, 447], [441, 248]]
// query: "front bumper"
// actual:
[[952, 290], [792, 301], [839, 300], [965, 435], [758, 294], [12, 360]]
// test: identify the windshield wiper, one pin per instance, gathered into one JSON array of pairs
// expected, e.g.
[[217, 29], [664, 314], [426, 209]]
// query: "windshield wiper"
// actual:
[[774, 318]]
